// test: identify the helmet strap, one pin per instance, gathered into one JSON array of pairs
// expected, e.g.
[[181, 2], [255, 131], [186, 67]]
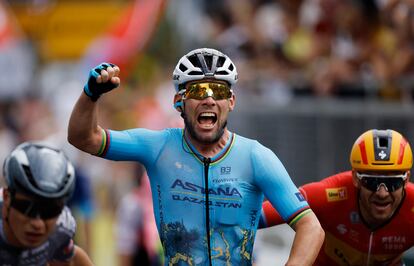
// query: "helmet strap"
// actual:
[[182, 114], [12, 194]]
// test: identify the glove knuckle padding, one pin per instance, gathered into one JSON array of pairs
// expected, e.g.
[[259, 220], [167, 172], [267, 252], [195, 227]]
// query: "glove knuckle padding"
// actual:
[[94, 89], [96, 72]]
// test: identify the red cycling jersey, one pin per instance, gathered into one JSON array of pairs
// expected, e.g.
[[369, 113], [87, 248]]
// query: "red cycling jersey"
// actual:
[[348, 241]]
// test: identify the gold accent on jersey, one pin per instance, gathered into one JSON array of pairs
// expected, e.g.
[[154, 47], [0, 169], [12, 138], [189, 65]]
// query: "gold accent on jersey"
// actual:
[[344, 254], [336, 194]]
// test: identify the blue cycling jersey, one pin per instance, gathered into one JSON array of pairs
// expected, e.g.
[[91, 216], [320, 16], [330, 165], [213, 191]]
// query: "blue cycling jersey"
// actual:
[[236, 180]]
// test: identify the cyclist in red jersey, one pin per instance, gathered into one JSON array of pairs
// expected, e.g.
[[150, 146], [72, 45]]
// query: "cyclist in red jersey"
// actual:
[[367, 213]]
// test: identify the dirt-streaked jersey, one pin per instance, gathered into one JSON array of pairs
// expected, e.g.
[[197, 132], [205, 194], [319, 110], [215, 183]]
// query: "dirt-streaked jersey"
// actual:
[[348, 241], [237, 177], [58, 247]]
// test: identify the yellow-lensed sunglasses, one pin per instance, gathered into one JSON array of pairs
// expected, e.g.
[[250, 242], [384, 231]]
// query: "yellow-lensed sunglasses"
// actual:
[[202, 90]]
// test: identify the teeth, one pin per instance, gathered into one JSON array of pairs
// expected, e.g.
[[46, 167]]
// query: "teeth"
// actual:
[[207, 115]]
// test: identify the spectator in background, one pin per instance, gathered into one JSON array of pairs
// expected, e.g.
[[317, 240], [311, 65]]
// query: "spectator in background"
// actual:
[[397, 66], [323, 48], [136, 233], [82, 205]]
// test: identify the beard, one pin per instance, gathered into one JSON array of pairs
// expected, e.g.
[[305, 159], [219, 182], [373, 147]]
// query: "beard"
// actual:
[[208, 140]]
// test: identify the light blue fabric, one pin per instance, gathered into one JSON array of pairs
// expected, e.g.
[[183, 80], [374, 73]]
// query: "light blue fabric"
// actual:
[[238, 178]]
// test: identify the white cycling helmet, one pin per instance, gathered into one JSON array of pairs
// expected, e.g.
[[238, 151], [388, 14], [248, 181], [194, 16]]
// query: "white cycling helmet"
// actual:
[[201, 64]]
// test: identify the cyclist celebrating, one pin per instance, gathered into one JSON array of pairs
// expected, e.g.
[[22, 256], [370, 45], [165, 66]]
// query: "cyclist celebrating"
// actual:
[[365, 212], [36, 228], [207, 183]]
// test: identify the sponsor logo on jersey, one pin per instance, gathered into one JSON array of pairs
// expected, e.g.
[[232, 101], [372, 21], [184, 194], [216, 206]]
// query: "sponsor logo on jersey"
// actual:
[[214, 203], [225, 180], [300, 196], [393, 242], [253, 217], [354, 217], [221, 191], [189, 192], [354, 235], [225, 170], [342, 229], [160, 209], [336, 194]]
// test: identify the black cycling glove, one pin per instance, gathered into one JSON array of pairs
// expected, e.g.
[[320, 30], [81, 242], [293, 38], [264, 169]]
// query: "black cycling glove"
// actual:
[[93, 89]]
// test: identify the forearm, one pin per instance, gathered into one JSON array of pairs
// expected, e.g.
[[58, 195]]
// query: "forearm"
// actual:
[[307, 242], [83, 130], [81, 258]]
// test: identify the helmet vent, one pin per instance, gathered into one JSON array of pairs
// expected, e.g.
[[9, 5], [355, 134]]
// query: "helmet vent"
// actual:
[[221, 73], [220, 62], [383, 142], [231, 67], [29, 175], [209, 61], [194, 60], [195, 73], [183, 68]]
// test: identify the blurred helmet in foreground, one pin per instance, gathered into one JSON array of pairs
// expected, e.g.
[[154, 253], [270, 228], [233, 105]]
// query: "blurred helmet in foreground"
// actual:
[[39, 170]]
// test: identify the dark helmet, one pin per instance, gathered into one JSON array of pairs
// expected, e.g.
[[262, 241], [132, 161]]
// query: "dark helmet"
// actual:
[[39, 170]]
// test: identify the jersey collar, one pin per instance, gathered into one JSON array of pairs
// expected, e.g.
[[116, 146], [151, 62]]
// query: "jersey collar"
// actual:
[[217, 158]]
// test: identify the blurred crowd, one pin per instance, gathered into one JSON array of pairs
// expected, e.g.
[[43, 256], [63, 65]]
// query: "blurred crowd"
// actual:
[[283, 49], [289, 48]]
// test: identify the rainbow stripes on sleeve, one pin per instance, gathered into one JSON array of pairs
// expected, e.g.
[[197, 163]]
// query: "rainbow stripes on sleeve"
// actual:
[[104, 144], [299, 216]]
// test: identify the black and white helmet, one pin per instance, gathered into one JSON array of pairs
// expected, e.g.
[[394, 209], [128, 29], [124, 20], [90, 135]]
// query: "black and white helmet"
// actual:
[[39, 170], [201, 64]]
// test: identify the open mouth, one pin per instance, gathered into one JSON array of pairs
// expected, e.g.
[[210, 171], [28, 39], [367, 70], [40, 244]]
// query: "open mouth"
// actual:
[[207, 119], [381, 205], [33, 237]]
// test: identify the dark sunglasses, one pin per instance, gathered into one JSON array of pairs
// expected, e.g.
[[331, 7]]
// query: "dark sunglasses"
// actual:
[[202, 90], [33, 209], [373, 182]]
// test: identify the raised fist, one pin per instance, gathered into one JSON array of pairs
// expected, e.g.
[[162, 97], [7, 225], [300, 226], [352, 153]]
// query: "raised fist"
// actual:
[[102, 78]]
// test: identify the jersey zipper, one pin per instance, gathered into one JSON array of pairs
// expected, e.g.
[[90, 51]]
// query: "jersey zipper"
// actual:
[[369, 247], [206, 162]]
